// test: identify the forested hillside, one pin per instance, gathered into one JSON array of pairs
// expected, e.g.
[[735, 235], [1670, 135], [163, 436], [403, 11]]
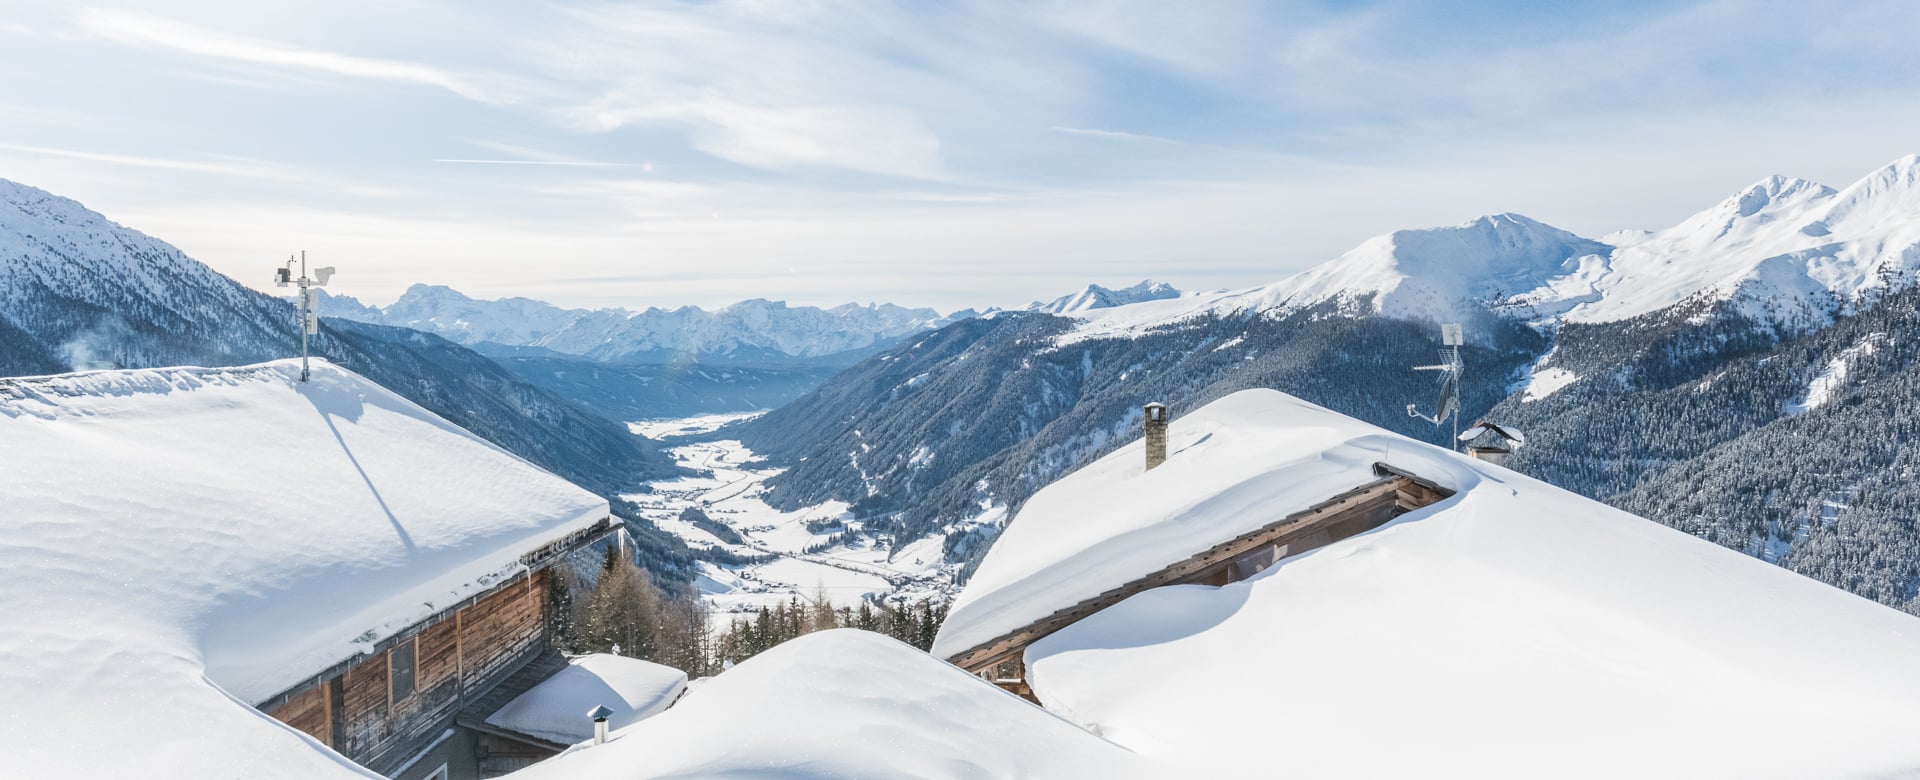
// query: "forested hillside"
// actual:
[[983, 413], [1803, 454]]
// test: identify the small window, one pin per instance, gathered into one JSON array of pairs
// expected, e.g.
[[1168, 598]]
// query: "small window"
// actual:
[[437, 774], [400, 670]]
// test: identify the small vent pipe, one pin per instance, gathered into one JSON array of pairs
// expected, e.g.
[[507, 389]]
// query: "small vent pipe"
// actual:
[[599, 715]]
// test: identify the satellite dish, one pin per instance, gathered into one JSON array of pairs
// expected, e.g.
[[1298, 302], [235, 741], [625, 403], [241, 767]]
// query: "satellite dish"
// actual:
[[321, 275], [1447, 406]]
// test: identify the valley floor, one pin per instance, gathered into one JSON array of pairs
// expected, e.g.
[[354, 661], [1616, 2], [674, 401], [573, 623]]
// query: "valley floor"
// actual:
[[797, 551]]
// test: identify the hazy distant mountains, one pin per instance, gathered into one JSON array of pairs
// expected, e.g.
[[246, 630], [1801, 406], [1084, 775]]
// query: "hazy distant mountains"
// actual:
[[1094, 296], [752, 332]]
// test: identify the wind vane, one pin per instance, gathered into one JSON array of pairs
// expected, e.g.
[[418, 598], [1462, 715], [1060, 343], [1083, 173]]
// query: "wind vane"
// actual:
[[309, 317], [1448, 404]]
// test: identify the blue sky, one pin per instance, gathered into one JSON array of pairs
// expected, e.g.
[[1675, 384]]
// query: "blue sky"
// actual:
[[934, 153]]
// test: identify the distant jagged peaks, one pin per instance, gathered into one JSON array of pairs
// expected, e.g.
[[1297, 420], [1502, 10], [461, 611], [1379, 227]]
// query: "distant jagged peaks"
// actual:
[[753, 329], [1094, 296]]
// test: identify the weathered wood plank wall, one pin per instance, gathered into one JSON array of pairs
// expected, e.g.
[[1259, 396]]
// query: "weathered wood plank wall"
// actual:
[[454, 659]]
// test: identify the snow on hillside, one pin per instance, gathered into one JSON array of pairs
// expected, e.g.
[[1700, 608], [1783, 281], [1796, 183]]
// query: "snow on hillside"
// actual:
[[803, 558], [180, 543], [1830, 379], [1782, 250], [86, 285], [848, 704], [1094, 296], [1514, 630]]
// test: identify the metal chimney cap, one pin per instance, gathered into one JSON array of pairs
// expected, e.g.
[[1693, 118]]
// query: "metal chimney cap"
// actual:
[[601, 712]]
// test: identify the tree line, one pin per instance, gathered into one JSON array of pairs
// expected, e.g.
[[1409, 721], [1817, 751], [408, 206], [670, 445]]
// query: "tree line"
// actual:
[[617, 607]]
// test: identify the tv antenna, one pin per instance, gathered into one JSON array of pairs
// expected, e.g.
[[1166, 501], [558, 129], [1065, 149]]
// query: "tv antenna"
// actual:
[[309, 316], [1448, 404]]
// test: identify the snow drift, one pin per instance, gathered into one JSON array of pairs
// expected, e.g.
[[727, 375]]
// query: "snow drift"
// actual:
[[847, 704], [1513, 630]]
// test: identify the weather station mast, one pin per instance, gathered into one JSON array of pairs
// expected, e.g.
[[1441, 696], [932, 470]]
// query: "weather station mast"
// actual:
[[309, 316], [1447, 406]]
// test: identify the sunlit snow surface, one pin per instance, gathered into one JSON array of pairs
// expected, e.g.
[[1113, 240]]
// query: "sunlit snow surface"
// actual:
[[556, 709], [1514, 630], [849, 704], [177, 544]]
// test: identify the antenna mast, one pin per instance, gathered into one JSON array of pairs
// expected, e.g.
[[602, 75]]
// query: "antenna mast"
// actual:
[[1448, 405], [309, 316]]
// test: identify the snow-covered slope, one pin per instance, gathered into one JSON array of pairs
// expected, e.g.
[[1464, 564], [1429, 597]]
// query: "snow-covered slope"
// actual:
[[177, 544], [749, 331], [88, 293], [1514, 630], [1094, 296], [1783, 250], [848, 704]]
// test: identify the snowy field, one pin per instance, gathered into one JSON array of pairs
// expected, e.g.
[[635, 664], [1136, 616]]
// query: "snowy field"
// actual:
[[800, 555]]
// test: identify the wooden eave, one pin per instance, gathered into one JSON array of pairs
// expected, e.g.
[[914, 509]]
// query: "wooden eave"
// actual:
[[539, 558], [1394, 486]]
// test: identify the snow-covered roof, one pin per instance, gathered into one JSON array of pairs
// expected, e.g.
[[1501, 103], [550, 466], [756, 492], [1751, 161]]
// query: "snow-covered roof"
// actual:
[[1510, 434], [1512, 630], [853, 704], [556, 709], [1232, 466], [179, 543]]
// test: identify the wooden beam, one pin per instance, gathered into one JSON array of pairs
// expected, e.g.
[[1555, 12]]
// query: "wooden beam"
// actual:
[[1367, 496]]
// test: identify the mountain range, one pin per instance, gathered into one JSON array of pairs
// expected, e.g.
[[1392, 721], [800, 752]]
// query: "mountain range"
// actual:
[[751, 332], [1632, 362], [1094, 296]]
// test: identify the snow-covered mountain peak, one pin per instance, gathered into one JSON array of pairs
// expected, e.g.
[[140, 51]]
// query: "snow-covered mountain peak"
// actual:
[[1441, 273], [1782, 250], [1779, 193], [1094, 296], [1881, 199]]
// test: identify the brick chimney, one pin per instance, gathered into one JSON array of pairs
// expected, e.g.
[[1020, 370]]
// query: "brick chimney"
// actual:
[[1156, 422]]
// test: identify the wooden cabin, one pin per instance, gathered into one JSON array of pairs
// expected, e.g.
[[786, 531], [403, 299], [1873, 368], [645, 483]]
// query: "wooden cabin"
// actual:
[[1491, 442], [1392, 493], [415, 708], [307, 544]]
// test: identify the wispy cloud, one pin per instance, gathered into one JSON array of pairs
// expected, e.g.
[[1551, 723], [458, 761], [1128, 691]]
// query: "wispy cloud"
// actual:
[[148, 31], [562, 163], [1117, 135], [227, 167], [876, 145]]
